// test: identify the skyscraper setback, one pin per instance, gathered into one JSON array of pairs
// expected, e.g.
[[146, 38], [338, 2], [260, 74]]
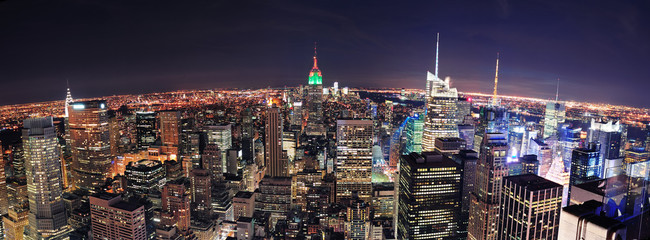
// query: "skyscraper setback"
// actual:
[[47, 216], [315, 101], [89, 144], [441, 109]]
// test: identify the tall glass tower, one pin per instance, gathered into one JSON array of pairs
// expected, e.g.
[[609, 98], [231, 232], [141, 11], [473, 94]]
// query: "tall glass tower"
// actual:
[[47, 216]]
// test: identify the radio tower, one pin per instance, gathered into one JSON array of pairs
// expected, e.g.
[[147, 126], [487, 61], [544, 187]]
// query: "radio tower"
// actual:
[[496, 82]]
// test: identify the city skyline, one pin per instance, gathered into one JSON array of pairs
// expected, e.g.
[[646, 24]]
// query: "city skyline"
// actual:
[[585, 48]]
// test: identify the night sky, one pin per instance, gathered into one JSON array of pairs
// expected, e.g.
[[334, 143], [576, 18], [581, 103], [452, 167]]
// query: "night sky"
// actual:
[[599, 49]]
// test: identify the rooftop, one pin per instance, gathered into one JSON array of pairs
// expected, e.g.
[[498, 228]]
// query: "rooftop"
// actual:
[[532, 182]]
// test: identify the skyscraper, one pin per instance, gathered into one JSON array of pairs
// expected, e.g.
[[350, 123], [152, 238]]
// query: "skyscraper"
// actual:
[[609, 136], [169, 127], [176, 206], [112, 218], [354, 159], [201, 190], [585, 165], [484, 203], [47, 217], [530, 208], [315, 101], [222, 136], [145, 177], [276, 164], [555, 114], [145, 124], [414, 130], [429, 198], [4, 198], [440, 120], [89, 143]]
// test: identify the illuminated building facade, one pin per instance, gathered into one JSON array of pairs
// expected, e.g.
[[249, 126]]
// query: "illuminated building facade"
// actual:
[[530, 208], [145, 125], [201, 186], [484, 203], [112, 218], [47, 216], [276, 164], [414, 130], [176, 206], [169, 127], [145, 177], [585, 165], [354, 141], [222, 136], [441, 109], [429, 197], [554, 116], [14, 223], [315, 101], [89, 144], [609, 136]]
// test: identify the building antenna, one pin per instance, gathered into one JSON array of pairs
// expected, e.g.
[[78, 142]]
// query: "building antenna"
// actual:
[[557, 90], [437, 45], [496, 82]]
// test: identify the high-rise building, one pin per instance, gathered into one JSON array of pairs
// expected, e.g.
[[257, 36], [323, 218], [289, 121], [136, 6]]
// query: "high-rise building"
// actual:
[[145, 124], [467, 160], [211, 161], [467, 132], [414, 130], [243, 204], [440, 120], [112, 218], [429, 197], [89, 144], [47, 217], [4, 197], [145, 177], [484, 203], [276, 164], [176, 206], [609, 136], [14, 223], [222, 136], [383, 200], [554, 116], [315, 101], [354, 159], [530, 208], [169, 127], [585, 165], [201, 186], [357, 223]]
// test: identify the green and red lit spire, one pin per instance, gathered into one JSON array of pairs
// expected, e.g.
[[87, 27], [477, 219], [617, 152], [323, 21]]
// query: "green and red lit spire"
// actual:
[[315, 76]]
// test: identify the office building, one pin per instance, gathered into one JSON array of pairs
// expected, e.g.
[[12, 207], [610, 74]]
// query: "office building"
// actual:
[[609, 137], [441, 110], [554, 115], [211, 161], [383, 200], [243, 204], [530, 208], [112, 218], [145, 124], [145, 177], [357, 223], [169, 127], [484, 203], [314, 100], [14, 223], [220, 135], [467, 160], [583, 222], [467, 132], [354, 141], [414, 130], [89, 144], [201, 186], [449, 145], [276, 164], [429, 197], [47, 217], [176, 206], [585, 165]]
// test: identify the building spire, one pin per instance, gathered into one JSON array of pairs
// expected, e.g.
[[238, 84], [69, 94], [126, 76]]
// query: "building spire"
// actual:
[[437, 45], [68, 97], [557, 90], [315, 60], [496, 82]]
